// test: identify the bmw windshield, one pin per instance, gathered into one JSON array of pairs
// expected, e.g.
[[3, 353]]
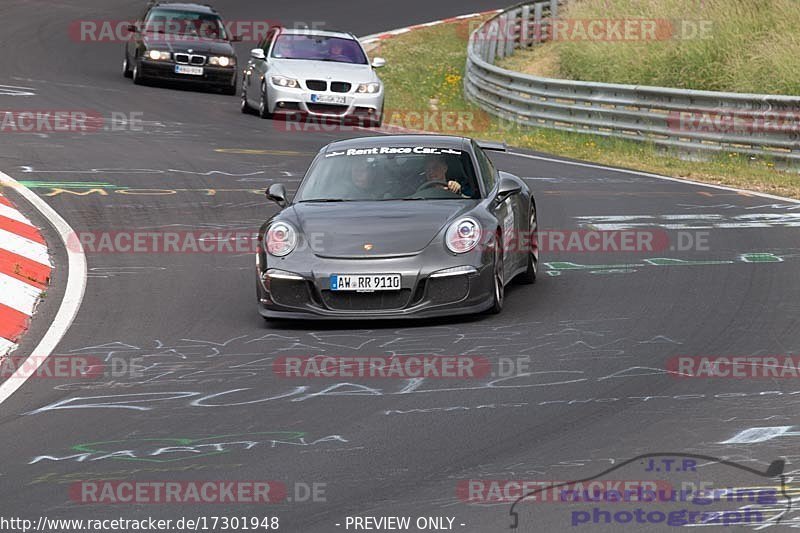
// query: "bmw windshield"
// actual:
[[390, 173], [319, 48], [185, 23]]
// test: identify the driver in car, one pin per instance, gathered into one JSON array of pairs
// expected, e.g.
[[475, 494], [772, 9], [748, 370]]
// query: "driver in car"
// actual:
[[436, 170], [208, 30], [337, 52]]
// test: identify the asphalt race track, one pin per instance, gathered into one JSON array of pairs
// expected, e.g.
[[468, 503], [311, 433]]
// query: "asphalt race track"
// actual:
[[598, 338]]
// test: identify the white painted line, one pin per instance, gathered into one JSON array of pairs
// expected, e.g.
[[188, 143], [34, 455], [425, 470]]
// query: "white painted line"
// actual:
[[6, 347], [73, 293], [13, 214], [17, 294], [367, 39], [655, 176], [27, 248], [10, 90]]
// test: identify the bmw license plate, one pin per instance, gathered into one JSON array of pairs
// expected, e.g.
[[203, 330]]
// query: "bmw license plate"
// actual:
[[365, 282], [328, 99], [185, 69]]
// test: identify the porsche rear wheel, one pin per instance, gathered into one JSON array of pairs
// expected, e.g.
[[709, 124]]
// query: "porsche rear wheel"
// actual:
[[498, 278], [529, 276]]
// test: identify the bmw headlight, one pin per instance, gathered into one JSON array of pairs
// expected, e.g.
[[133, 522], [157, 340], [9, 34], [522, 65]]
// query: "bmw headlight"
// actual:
[[281, 239], [158, 55], [222, 61], [369, 88], [283, 81], [463, 235]]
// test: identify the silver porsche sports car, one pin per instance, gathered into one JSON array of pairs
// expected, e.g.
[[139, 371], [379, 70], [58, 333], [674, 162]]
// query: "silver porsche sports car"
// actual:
[[397, 226]]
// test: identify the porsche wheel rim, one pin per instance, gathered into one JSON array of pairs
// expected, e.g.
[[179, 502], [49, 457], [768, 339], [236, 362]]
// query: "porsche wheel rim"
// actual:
[[534, 242], [498, 275]]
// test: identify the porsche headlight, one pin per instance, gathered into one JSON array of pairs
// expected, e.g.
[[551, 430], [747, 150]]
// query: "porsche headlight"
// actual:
[[222, 61], [463, 235], [369, 88], [158, 55], [281, 239], [283, 81]]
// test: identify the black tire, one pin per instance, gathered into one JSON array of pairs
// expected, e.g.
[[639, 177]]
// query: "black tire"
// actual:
[[138, 79], [126, 67], [244, 106], [529, 276], [231, 90], [263, 106], [377, 123], [498, 278]]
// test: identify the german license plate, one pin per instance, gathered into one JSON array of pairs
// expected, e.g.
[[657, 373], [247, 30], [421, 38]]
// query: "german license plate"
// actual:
[[328, 99], [365, 282], [185, 69]]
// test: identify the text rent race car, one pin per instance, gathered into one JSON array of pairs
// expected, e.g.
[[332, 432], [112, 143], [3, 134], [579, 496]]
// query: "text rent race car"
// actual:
[[396, 226]]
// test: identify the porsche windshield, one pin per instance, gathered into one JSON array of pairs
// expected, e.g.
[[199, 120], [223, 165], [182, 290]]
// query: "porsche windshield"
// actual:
[[390, 173]]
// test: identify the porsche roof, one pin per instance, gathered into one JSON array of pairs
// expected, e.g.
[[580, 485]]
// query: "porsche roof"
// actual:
[[434, 141]]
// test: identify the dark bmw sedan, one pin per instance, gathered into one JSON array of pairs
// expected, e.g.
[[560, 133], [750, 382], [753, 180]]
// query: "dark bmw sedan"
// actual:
[[181, 43], [397, 226]]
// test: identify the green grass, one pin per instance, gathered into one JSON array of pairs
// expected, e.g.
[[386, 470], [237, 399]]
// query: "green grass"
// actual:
[[425, 73], [750, 46]]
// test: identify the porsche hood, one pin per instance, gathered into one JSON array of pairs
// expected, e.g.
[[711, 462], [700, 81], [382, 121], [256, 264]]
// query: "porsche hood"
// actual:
[[373, 229]]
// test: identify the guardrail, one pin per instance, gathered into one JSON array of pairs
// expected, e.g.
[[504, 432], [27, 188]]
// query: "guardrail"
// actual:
[[686, 120]]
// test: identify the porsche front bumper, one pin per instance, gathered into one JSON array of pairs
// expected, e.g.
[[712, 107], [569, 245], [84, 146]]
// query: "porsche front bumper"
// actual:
[[453, 287]]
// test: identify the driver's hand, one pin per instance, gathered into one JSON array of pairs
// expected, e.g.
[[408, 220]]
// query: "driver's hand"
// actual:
[[454, 186]]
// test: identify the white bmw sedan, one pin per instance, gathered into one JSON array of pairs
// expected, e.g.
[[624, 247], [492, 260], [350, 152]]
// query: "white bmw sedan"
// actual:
[[313, 73]]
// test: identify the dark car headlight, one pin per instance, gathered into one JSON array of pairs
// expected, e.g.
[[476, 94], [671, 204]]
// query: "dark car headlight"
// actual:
[[222, 61], [281, 239], [463, 235], [158, 55]]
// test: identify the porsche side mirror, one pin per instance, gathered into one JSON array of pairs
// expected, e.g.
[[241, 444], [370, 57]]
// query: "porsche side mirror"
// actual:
[[257, 53], [378, 62], [506, 189], [277, 193], [132, 28]]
